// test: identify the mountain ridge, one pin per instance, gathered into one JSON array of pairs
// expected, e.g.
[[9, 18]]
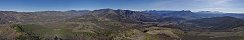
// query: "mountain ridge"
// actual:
[[109, 24]]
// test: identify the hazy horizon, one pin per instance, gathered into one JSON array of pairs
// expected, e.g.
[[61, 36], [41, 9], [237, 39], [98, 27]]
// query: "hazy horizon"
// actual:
[[227, 6]]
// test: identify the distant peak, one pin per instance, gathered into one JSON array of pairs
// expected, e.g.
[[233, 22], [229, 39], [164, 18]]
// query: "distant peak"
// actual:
[[105, 9], [226, 17], [209, 12], [76, 10], [185, 11], [7, 11]]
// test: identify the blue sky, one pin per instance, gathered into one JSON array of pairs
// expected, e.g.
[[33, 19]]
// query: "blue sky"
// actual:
[[62, 5]]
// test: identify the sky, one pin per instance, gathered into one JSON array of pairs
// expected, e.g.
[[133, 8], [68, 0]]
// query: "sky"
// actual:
[[230, 6]]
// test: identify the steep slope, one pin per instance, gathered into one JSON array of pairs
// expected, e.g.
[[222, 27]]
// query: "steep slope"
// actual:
[[126, 15], [120, 25], [175, 14], [217, 23]]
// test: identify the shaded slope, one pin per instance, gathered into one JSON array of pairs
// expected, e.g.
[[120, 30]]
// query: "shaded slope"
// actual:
[[217, 23]]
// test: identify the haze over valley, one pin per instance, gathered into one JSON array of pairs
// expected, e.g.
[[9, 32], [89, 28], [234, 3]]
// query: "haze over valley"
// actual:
[[124, 20]]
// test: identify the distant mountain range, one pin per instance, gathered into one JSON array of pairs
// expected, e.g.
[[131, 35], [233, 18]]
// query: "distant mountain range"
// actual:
[[109, 24]]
